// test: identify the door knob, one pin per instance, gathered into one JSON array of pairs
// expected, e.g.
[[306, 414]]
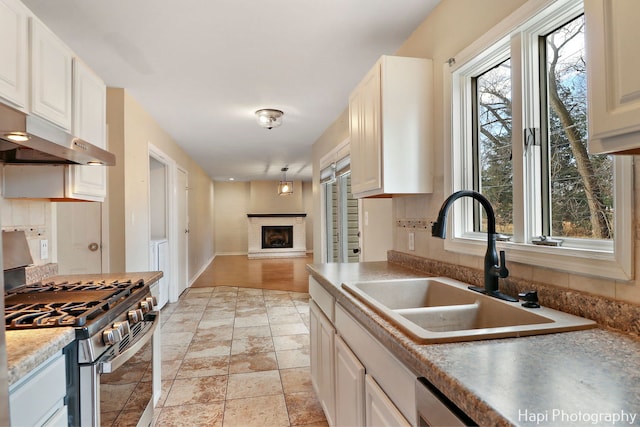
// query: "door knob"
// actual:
[[93, 247]]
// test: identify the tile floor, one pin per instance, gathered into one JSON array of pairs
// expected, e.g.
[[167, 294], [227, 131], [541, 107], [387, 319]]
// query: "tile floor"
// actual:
[[237, 357]]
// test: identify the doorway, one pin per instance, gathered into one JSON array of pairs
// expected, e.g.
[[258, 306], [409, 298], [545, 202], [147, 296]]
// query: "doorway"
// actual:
[[168, 236]]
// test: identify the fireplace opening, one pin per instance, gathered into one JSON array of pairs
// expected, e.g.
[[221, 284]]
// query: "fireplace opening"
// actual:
[[276, 237]]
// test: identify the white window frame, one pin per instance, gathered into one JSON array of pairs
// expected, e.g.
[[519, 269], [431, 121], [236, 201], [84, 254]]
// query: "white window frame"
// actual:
[[612, 260]]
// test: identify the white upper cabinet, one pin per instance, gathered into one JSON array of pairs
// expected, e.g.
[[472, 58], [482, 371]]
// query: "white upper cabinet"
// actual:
[[612, 35], [89, 123], [14, 53], [51, 76], [390, 116]]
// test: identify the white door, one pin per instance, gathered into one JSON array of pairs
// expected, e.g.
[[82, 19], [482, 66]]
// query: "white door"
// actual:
[[79, 229], [182, 220]]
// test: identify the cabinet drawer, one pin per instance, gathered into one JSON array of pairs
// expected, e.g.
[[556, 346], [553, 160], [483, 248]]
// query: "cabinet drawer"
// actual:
[[324, 299], [33, 398]]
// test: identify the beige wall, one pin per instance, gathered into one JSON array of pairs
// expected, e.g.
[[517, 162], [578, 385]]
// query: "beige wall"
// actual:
[[452, 26], [131, 130], [234, 200]]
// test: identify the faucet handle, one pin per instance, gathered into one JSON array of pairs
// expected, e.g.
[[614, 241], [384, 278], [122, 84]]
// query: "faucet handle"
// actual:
[[530, 299], [503, 271]]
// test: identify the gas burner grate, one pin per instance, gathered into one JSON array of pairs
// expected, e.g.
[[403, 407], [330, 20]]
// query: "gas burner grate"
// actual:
[[76, 304], [89, 285]]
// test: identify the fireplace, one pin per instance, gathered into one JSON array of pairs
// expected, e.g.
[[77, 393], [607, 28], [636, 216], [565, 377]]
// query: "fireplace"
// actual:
[[277, 236]]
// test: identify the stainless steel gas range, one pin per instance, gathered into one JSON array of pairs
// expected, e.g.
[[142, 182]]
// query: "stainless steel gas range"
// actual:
[[110, 363]]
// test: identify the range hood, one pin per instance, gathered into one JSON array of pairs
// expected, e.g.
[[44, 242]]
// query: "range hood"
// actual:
[[29, 139]]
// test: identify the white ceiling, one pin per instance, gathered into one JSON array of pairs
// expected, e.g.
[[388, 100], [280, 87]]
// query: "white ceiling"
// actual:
[[201, 68]]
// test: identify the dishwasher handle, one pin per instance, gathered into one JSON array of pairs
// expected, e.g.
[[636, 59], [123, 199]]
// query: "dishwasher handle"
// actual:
[[435, 409]]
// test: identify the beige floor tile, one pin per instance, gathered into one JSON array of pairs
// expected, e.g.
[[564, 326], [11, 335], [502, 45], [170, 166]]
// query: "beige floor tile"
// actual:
[[197, 390], [203, 367], [180, 326], [296, 380], [203, 348], [169, 368], [293, 358], [303, 408], [251, 332], [228, 343], [289, 329], [222, 333], [207, 323], [173, 352], [253, 320], [254, 384], [241, 363], [197, 415], [281, 319], [257, 411], [165, 388], [291, 342], [252, 345], [176, 338]]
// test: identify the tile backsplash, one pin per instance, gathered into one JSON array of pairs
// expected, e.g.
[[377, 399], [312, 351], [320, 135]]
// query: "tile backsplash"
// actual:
[[34, 217]]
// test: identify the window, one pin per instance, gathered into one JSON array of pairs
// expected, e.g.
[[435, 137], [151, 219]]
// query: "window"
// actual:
[[519, 136]]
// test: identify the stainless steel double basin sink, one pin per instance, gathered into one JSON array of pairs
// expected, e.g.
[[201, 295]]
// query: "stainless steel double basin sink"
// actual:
[[439, 309]]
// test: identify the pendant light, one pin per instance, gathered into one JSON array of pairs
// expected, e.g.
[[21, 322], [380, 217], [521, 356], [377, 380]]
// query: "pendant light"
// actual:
[[285, 187]]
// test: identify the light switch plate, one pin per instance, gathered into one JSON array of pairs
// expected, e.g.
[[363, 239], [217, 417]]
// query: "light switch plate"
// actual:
[[44, 249], [412, 241]]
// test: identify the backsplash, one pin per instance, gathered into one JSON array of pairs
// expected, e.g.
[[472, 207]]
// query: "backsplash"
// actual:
[[608, 313], [34, 217]]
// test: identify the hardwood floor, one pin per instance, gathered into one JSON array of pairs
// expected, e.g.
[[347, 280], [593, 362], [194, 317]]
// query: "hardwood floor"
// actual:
[[283, 274]]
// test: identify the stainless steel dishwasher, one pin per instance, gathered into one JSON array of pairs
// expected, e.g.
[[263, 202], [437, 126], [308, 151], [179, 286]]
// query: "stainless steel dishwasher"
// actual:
[[434, 409]]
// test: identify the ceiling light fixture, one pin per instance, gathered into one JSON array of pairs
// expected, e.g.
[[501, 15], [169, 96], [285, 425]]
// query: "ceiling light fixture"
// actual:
[[269, 118], [285, 187]]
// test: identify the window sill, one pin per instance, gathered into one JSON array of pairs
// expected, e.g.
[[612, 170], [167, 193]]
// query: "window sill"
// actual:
[[576, 261]]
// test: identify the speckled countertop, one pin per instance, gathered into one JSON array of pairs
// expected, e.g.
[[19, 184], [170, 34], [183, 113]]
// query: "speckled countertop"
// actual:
[[573, 378], [26, 349]]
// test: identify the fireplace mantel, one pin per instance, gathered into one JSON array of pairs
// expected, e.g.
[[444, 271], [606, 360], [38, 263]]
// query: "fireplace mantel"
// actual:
[[255, 223]]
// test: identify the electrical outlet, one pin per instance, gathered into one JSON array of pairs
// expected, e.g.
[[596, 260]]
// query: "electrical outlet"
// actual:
[[44, 249], [412, 241]]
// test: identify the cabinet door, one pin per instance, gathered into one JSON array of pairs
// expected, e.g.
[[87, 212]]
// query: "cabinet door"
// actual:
[[380, 411], [349, 387], [51, 76], [612, 34], [40, 394], [14, 53], [364, 122], [323, 361], [89, 123]]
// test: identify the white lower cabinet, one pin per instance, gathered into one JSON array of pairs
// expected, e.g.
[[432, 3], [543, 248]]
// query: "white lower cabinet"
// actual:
[[37, 399], [380, 410], [349, 387], [323, 360], [357, 380]]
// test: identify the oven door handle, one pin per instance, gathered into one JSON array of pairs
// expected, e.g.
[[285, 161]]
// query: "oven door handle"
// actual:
[[111, 365]]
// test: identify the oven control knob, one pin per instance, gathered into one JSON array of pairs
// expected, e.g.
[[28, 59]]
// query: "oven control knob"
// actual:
[[111, 336], [153, 302], [123, 327], [145, 306], [135, 316]]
